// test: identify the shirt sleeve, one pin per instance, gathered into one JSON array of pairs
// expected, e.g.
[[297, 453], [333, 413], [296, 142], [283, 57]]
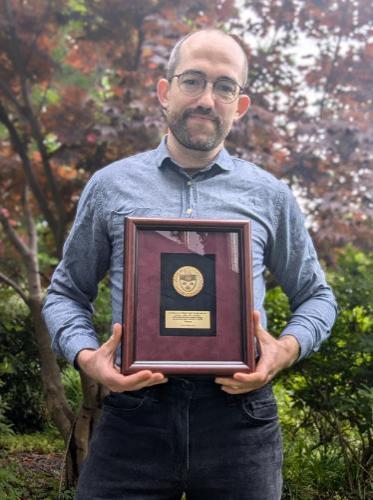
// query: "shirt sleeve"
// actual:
[[293, 261], [68, 306]]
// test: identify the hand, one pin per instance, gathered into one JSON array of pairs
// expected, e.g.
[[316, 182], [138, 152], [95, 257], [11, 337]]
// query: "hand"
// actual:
[[275, 355], [100, 366]]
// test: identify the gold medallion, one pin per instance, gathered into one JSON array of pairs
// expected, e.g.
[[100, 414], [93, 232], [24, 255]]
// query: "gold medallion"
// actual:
[[188, 281]]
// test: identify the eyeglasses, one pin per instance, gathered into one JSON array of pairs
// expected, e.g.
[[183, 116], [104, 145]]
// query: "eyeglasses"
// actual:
[[193, 83]]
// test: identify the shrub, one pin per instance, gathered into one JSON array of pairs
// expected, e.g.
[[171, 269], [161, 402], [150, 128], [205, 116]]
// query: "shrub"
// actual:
[[73, 387], [331, 392], [5, 425], [19, 367]]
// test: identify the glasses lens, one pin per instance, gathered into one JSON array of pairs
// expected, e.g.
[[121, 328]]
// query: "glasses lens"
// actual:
[[191, 83], [227, 90]]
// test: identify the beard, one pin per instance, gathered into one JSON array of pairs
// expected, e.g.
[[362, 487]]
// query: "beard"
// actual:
[[198, 139]]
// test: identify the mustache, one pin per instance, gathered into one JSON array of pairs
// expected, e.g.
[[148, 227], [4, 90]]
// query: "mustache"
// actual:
[[199, 111]]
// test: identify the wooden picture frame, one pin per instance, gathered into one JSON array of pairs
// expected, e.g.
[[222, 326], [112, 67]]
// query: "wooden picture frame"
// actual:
[[188, 300]]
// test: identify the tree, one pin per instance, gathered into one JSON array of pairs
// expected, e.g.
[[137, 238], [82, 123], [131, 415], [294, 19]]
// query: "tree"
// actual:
[[72, 83], [311, 83]]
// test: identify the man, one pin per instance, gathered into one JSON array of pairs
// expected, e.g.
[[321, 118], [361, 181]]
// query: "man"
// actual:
[[212, 438]]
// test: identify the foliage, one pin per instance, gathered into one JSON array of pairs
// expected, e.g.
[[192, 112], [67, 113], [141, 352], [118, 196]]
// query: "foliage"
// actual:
[[18, 483], [30, 465], [92, 100], [5, 425], [47, 441], [331, 392], [310, 471], [19, 368], [310, 82], [316, 465], [11, 485], [21, 403], [73, 387], [102, 316]]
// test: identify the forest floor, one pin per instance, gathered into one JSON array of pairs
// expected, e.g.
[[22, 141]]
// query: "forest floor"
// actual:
[[32, 474]]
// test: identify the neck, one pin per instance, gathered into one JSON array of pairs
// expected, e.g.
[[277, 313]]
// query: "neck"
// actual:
[[189, 158]]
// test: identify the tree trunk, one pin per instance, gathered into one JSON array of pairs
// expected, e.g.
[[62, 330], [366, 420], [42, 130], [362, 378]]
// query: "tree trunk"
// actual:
[[86, 420], [57, 405], [76, 432]]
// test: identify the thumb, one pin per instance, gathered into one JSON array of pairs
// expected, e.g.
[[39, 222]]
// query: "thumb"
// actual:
[[258, 331], [112, 343], [257, 324]]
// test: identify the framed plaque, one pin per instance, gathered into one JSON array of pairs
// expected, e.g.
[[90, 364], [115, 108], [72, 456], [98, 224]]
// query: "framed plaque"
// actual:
[[187, 304]]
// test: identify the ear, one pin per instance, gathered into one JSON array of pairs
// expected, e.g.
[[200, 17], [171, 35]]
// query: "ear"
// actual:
[[163, 86], [243, 104]]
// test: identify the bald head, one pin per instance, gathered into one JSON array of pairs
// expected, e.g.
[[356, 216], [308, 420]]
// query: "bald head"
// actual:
[[205, 36]]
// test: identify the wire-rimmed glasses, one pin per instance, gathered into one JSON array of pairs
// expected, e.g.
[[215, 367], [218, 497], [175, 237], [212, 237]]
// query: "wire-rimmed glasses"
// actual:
[[194, 83]]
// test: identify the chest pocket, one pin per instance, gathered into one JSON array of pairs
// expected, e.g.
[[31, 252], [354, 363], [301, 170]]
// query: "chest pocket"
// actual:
[[117, 228], [117, 218]]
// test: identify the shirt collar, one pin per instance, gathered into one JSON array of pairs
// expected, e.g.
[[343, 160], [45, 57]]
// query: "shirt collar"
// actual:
[[224, 160]]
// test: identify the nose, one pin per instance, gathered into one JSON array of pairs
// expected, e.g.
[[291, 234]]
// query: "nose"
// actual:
[[207, 98]]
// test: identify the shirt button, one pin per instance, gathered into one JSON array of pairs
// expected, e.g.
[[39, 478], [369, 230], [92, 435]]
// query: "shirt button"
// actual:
[[189, 210], [189, 183]]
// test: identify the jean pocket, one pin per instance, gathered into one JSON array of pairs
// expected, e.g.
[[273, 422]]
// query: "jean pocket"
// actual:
[[260, 412], [125, 402]]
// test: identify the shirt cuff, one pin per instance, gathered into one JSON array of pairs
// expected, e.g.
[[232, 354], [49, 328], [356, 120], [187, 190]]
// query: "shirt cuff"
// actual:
[[77, 344], [303, 336]]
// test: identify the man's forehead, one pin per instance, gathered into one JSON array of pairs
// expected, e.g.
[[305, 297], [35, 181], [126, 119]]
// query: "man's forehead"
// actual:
[[213, 46], [201, 42]]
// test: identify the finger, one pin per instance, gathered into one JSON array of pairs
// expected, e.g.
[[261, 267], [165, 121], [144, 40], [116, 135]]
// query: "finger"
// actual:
[[112, 343], [230, 383], [157, 381], [154, 380], [257, 379], [224, 380], [118, 382], [158, 377], [234, 387], [138, 377], [234, 390], [257, 322], [259, 332], [239, 390], [232, 380]]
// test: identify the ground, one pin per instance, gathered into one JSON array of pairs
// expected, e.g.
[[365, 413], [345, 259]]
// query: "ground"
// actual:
[[30, 475]]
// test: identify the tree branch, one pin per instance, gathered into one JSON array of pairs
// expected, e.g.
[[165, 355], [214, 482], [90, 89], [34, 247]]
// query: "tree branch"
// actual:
[[20, 148], [328, 78], [35, 128], [41, 25], [12, 98], [30, 223], [140, 42], [15, 286], [14, 238]]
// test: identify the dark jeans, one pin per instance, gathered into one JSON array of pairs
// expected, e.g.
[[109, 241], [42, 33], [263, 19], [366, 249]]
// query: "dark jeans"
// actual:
[[185, 436]]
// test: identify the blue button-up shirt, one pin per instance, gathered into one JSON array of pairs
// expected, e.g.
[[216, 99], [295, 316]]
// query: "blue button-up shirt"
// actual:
[[150, 184]]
